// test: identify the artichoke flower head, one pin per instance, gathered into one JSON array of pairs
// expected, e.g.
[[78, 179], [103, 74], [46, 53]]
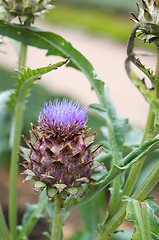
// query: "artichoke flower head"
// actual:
[[59, 156], [26, 10], [149, 21]]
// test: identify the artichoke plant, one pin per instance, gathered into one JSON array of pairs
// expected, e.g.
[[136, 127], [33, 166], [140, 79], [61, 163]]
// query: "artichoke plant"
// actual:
[[59, 156], [148, 19], [26, 10]]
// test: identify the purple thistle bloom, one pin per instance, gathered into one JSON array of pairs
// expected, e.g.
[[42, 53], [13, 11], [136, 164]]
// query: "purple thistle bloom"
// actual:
[[63, 118], [59, 154]]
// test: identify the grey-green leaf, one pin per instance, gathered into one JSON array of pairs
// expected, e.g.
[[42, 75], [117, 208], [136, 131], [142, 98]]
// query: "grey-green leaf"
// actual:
[[33, 213], [117, 125], [143, 215], [93, 189], [4, 233], [27, 77]]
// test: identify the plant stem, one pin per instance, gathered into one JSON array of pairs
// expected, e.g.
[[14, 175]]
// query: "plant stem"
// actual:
[[4, 233], [57, 218], [140, 194], [136, 168], [111, 223], [23, 55], [148, 184], [14, 156], [157, 73], [14, 171]]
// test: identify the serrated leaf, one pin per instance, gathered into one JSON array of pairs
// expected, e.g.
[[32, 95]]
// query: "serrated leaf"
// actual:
[[154, 206], [28, 76], [117, 128], [117, 124], [149, 94], [93, 189], [144, 218], [56, 45], [31, 216]]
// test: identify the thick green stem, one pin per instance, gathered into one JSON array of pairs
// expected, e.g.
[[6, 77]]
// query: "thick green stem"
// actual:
[[14, 156], [4, 233], [136, 168], [23, 55], [14, 171], [116, 184], [140, 194], [111, 223], [157, 73], [116, 158], [57, 218]]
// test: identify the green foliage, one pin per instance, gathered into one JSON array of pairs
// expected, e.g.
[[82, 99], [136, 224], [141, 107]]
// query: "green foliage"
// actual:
[[4, 233], [32, 108], [91, 214], [149, 164], [32, 215], [148, 93], [81, 235], [143, 214], [56, 45], [117, 125], [133, 137], [94, 20], [5, 120], [117, 128], [26, 79], [93, 189], [123, 6]]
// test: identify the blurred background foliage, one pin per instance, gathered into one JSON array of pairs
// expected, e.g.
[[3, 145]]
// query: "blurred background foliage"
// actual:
[[105, 17]]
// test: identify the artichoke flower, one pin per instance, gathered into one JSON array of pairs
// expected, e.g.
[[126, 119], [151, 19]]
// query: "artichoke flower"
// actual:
[[149, 21], [59, 156], [26, 10]]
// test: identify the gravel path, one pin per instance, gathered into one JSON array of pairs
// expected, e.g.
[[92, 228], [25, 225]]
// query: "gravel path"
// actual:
[[106, 56]]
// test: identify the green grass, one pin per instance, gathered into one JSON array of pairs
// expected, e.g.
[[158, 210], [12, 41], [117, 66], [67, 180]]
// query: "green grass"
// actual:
[[122, 6], [99, 22], [93, 20]]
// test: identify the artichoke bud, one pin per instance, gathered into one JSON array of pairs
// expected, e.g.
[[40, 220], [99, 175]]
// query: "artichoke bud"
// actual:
[[149, 21], [26, 10], [59, 156]]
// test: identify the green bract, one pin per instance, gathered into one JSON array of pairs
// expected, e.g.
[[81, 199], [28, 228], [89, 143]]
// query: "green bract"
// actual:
[[25, 10], [149, 20]]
